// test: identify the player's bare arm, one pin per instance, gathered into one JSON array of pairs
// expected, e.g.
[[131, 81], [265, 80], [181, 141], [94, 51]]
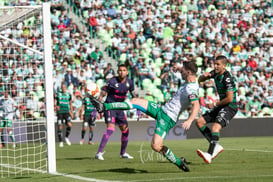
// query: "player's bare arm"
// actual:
[[102, 95], [195, 110], [204, 77], [228, 99], [82, 111]]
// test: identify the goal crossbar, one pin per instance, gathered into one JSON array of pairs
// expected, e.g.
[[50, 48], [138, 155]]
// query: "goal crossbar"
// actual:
[[8, 19]]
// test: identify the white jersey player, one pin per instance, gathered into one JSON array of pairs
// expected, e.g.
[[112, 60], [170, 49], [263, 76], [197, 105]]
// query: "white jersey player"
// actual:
[[167, 115], [7, 105]]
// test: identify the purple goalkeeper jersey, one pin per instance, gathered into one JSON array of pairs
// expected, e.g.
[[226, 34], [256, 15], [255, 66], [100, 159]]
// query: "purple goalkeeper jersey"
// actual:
[[117, 90]]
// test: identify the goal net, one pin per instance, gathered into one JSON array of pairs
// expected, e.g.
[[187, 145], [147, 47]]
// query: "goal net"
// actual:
[[25, 95]]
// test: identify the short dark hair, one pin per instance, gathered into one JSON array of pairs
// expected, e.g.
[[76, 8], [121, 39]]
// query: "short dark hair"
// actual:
[[223, 59], [122, 65], [191, 66]]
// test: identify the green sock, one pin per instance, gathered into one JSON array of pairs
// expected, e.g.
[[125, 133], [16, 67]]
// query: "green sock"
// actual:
[[206, 132], [118, 106], [172, 158]]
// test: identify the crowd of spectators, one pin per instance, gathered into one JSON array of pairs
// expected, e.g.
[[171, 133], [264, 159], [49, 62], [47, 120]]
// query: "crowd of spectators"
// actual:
[[153, 38]]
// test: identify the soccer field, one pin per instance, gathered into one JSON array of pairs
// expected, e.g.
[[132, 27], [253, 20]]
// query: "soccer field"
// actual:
[[243, 159]]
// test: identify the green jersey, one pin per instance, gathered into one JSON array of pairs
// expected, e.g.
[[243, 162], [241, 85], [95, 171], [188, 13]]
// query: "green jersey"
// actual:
[[224, 83], [88, 107], [63, 100]]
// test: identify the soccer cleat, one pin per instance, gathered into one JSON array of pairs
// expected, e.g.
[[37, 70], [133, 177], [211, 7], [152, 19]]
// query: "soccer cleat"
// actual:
[[206, 156], [2, 145], [67, 141], [183, 165], [82, 141], [126, 156], [90, 143], [98, 105], [99, 156], [61, 144], [13, 145], [217, 150]]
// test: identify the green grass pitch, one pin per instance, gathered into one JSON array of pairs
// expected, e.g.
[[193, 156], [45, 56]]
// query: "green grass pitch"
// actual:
[[244, 159]]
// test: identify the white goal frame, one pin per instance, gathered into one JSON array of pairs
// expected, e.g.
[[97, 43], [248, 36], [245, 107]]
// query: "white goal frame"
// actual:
[[49, 100]]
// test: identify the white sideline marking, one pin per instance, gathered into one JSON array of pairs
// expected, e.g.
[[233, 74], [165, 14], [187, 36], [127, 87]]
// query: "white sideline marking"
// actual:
[[250, 150], [205, 177], [80, 177]]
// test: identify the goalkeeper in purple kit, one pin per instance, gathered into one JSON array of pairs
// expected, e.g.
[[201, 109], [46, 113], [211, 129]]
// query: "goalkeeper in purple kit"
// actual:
[[116, 90]]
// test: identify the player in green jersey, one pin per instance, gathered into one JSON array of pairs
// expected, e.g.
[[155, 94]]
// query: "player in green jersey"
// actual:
[[88, 115], [63, 105], [166, 115], [221, 112]]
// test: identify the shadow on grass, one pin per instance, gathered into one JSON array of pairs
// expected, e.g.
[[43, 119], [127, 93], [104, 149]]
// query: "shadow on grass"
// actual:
[[123, 170], [74, 158]]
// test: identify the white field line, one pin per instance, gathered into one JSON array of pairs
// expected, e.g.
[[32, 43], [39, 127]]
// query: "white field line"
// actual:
[[205, 177], [249, 150], [162, 179], [80, 177]]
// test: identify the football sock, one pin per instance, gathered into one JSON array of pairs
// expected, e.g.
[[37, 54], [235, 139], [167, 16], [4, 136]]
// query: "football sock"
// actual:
[[171, 157], [11, 136], [60, 135], [105, 138], [90, 135], [215, 139], [124, 141], [68, 130], [123, 106], [206, 132], [83, 133], [118, 106], [2, 137]]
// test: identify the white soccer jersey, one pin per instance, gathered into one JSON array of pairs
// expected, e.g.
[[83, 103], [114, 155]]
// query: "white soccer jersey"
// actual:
[[187, 93], [7, 105]]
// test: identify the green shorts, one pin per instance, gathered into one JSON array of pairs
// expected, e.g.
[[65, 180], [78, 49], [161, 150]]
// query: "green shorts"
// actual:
[[163, 122], [5, 123]]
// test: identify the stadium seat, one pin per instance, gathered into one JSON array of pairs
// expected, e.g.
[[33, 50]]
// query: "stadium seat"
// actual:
[[157, 82], [158, 71], [201, 92], [156, 92], [199, 61], [100, 83], [149, 43], [122, 58], [158, 62], [146, 83]]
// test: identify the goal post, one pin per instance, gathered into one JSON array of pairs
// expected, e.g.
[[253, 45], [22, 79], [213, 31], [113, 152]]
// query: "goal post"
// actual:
[[49, 90], [27, 127]]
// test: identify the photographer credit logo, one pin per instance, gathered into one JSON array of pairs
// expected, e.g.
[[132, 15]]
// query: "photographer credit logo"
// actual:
[[147, 155]]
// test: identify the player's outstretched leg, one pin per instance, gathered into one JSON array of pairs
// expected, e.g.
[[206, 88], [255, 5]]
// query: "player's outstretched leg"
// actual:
[[181, 163]]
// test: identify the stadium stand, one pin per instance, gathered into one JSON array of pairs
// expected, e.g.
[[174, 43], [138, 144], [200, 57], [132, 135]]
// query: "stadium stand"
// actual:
[[152, 38]]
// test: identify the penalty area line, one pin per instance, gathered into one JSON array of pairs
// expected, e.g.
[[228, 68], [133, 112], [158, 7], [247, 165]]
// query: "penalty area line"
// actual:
[[80, 177]]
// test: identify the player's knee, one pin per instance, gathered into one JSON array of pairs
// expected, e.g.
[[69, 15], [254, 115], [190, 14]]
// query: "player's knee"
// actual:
[[216, 127], [69, 124], [200, 122], [156, 147]]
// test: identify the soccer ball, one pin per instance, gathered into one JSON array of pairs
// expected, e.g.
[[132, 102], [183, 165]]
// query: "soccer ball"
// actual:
[[93, 89]]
